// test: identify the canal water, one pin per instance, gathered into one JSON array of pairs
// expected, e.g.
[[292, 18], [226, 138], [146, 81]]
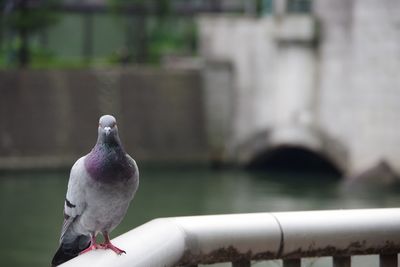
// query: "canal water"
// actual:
[[31, 203]]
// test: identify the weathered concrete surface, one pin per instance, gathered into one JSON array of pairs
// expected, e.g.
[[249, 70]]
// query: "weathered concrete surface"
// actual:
[[49, 118], [219, 101], [360, 84], [333, 74], [272, 97]]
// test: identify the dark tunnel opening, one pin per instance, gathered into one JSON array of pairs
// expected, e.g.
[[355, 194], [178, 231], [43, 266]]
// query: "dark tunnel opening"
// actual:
[[294, 158]]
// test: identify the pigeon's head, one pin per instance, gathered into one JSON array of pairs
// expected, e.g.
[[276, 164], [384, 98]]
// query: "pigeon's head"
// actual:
[[108, 130]]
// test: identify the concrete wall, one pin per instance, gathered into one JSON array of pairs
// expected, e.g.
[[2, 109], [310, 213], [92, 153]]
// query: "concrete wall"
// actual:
[[273, 89], [334, 74], [359, 81], [49, 118], [246, 43]]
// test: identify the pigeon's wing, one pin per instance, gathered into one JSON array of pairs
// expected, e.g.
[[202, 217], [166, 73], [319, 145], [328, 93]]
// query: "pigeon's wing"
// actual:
[[132, 162], [75, 202], [72, 242]]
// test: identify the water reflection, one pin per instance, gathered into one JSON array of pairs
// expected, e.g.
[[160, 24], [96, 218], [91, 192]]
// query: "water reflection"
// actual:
[[31, 203]]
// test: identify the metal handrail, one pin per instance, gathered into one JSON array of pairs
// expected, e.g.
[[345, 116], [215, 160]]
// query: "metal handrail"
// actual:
[[241, 238]]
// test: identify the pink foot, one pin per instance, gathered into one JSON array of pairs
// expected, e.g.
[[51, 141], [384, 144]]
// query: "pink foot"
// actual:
[[91, 247], [113, 248]]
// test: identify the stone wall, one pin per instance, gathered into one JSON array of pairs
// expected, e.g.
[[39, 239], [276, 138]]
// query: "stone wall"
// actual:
[[49, 118]]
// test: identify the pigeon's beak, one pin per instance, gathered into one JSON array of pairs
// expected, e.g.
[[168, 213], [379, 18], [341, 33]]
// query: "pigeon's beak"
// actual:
[[107, 130]]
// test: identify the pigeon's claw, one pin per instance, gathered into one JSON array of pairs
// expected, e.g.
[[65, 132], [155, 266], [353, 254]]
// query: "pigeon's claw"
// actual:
[[113, 248], [107, 245], [92, 247]]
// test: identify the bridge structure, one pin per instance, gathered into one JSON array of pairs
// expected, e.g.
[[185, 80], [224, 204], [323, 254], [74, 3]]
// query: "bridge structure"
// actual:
[[303, 88]]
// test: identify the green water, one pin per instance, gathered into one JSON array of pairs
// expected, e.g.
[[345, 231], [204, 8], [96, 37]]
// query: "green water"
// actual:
[[31, 203]]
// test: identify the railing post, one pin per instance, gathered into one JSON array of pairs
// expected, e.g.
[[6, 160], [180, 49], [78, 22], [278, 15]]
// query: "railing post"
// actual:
[[241, 263], [292, 263], [389, 260], [341, 261]]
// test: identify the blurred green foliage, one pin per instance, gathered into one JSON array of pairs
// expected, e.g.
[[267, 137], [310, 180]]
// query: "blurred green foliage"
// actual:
[[159, 32], [21, 16], [22, 19], [29, 34], [171, 37]]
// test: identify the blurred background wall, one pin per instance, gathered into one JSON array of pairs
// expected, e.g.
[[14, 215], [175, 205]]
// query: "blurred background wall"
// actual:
[[51, 117], [322, 80], [254, 83]]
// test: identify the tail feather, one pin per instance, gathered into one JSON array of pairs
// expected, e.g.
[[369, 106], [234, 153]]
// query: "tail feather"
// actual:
[[70, 248]]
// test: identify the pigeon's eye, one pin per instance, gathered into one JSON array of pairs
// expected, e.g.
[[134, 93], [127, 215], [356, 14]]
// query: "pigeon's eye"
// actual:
[[113, 125]]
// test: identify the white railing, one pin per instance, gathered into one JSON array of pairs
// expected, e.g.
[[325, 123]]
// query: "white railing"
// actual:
[[242, 238]]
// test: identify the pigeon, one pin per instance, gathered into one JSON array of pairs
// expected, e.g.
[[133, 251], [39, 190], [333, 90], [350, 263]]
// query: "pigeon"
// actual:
[[101, 186]]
